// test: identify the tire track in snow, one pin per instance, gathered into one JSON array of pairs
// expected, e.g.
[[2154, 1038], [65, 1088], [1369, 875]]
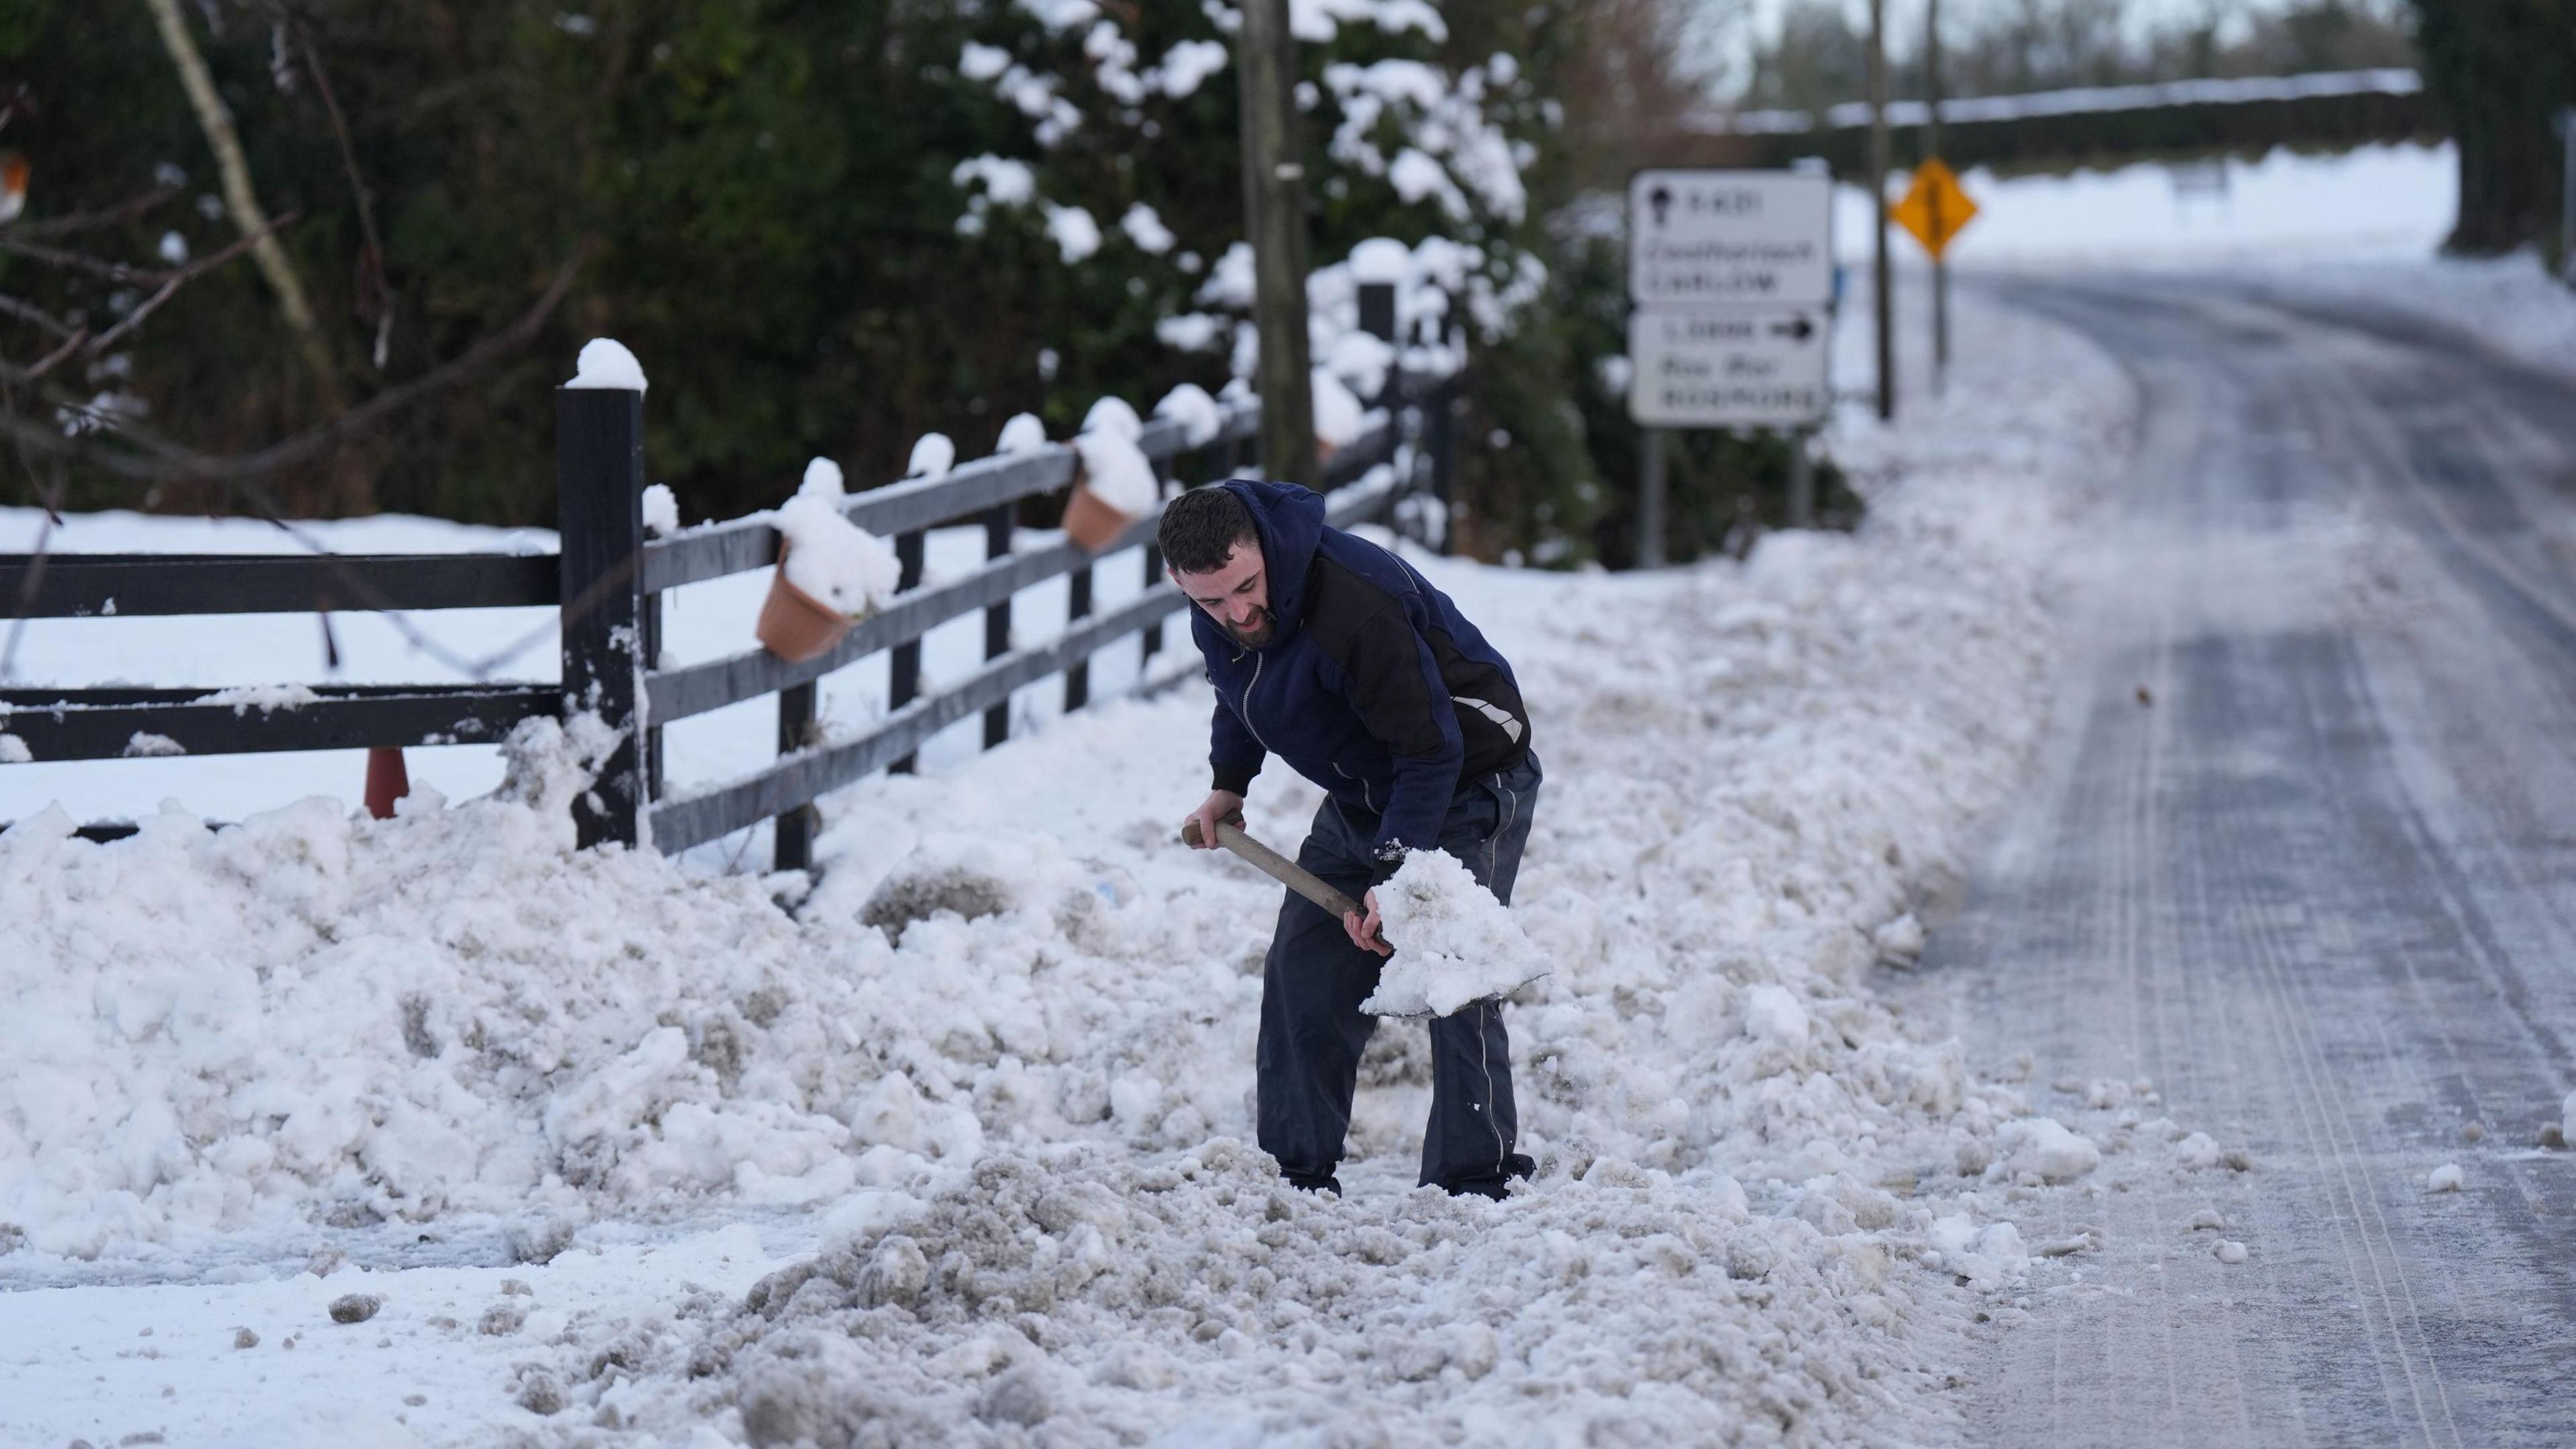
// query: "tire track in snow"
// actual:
[[2288, 895]]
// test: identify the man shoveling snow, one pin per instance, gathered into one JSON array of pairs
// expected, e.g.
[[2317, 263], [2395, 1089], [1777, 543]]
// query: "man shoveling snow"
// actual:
[[1344, 661]]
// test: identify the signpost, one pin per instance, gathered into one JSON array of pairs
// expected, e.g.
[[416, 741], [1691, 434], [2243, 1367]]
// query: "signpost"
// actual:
[[1935, 210], [1732, 274], [1696, 367]]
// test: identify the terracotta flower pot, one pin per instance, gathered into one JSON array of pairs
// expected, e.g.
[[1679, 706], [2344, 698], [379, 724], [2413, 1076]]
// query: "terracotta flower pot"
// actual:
[[794, 625], [1090, 522]]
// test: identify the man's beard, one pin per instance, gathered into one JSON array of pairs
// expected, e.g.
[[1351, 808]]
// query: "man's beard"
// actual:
[[1256, 636]]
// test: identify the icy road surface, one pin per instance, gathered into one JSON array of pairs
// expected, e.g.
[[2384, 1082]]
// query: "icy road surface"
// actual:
[[2303, 850]]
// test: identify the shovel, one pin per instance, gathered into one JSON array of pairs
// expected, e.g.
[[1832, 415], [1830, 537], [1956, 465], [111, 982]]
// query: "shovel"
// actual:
[[1278, 867]]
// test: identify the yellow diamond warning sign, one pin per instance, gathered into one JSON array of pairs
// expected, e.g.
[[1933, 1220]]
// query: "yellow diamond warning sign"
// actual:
[[1934, 208]]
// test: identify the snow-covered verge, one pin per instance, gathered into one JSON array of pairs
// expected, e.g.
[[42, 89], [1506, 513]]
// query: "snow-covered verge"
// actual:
[[2510, 303], [989, 1089]]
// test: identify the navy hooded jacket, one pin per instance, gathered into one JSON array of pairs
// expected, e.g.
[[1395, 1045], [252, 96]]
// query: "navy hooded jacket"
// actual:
[[1373, 685]]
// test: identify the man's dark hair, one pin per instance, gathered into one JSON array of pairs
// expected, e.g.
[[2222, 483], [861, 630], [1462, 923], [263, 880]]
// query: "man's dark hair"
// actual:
[[1201, 527]]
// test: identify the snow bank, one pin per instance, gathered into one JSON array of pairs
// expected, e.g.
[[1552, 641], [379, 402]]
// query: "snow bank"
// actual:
[[1752, 768], [828, 556], [1454, 943], [1005, 1043]]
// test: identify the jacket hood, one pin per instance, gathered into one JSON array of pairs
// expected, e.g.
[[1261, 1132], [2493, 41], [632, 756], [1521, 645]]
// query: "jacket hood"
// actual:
[[1290, 522]]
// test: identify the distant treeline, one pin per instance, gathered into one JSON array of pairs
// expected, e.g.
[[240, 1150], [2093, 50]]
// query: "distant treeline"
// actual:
[[1820, 56]]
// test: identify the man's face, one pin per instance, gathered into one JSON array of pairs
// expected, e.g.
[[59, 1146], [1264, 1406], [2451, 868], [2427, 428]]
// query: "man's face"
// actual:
[[1235, 593]]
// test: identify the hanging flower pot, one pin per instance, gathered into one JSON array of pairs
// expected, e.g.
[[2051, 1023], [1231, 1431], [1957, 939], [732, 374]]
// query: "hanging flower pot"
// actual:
[[794, 625], [840, 573], [1090, 522], [1113, 486]]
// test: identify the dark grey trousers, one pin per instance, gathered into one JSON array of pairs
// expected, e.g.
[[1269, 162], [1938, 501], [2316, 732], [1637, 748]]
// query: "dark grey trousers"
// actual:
[[1313, 1031]]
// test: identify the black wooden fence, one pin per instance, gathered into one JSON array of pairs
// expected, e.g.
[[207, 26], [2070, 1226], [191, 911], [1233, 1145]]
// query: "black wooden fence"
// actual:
[[607, 581]]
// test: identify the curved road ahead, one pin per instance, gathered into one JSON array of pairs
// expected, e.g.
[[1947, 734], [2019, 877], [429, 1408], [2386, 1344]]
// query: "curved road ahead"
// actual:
[[2302, 851]]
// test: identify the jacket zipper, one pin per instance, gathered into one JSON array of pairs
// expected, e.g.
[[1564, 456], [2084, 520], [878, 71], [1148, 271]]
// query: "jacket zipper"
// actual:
[[1257, 661], [1356, 780]]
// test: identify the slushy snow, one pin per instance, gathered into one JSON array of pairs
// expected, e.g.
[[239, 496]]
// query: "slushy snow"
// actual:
[[2445, 1178], [605, 363], [829, 557], [1454, 943], [2044, 1148]]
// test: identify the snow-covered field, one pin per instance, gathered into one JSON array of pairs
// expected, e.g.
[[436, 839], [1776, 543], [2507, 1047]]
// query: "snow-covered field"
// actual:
[[957, 1152], [2383, 202]]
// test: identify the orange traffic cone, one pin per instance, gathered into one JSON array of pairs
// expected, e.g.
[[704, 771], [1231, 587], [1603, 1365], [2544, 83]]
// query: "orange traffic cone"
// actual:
[[387, 781]]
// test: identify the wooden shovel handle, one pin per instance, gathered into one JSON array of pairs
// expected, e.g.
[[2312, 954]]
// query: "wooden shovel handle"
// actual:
[[1274, 865]]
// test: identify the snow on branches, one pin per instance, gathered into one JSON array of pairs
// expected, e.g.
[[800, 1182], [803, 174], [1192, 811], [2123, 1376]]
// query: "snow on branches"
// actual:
[[1105, 141]]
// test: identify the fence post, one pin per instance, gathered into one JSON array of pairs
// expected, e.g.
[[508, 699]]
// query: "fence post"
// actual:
[[599, 507], [1440, 424], [1077, 675], [1377, 319], [997, 621], [792, 845], [903, 669]]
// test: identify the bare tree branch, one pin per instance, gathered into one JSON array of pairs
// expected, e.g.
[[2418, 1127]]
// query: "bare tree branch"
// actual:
[[374, 299], [216, 120], [43, 365], [181, 278], [162, 460], [34, 315], [124, 211]]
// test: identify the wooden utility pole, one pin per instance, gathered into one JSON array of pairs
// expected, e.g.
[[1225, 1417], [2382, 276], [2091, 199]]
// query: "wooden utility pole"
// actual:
[[1931, 151], [1880, 299], [1274, 214]]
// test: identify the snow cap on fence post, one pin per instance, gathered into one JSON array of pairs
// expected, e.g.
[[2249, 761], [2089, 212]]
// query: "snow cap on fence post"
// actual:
[[599, 506]]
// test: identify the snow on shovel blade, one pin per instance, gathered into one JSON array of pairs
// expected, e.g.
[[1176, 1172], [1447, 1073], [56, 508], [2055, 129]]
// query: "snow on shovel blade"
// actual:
[[1465, 945]]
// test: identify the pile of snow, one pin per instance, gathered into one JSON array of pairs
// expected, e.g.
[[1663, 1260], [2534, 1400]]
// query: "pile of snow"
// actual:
[[1200, 417], [661, 509], [933, 454], [1454, 943], [1004, 1046], [829, 557], [1114, 468], [1024, 433], [1339, 417], [605, 363]]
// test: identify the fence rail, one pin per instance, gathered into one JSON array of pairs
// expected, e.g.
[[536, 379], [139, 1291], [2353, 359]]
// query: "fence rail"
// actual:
[[129, 585], [606, 582]]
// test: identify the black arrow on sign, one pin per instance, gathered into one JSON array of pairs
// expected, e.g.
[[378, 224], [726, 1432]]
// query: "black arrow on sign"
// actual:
[[1661, 199], [1797, 327]]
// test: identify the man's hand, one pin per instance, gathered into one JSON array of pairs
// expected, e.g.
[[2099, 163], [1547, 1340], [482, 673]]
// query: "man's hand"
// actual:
[[1220, 805], [1364, 932]]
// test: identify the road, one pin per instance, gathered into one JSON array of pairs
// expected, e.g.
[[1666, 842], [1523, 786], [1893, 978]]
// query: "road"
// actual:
[[2302, 851]]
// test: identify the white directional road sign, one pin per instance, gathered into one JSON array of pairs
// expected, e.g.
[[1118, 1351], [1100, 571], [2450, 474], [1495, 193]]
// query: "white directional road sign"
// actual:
[[1730, 236], [1702, 367]]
